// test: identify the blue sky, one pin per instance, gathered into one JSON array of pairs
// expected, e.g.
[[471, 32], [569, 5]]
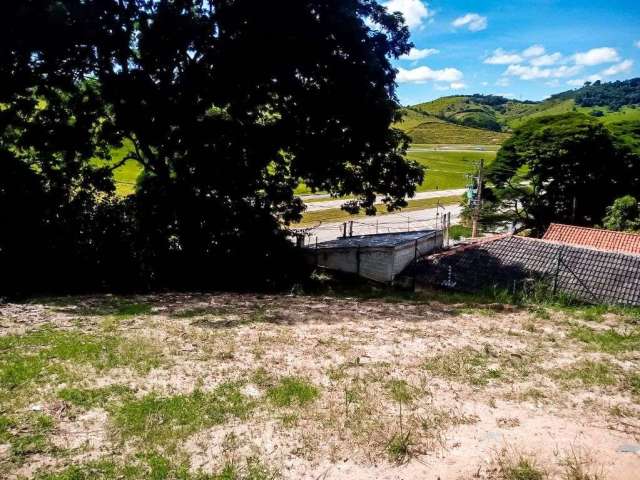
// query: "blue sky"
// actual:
[[521, 49]]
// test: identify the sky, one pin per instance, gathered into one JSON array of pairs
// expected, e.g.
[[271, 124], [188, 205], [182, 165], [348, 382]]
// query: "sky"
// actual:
[[519, 49]]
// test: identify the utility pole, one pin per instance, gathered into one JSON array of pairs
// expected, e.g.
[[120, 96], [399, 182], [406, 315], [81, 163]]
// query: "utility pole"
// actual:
[[478, 202]]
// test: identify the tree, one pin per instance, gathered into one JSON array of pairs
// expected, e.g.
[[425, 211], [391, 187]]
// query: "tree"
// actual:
[[564, 168], [227, 104], [623, 215]]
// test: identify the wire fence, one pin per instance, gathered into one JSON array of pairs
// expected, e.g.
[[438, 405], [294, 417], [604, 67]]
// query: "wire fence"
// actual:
[[400, 223]]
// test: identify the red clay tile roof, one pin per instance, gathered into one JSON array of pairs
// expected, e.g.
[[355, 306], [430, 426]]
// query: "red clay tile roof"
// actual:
[[595, 238]]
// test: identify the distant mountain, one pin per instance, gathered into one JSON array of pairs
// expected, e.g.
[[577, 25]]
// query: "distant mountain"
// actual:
[[489, 119]]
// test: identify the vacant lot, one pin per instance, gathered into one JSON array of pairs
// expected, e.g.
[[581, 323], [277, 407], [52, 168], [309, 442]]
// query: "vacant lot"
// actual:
[[258, 387]]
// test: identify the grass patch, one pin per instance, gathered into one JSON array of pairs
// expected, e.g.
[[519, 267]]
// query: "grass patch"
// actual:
[[163, 419], [153, 466], [588, 373], [520, 467], [26, 435], [609, 341], [464, 365], [97, 397], [291, 391], [456, 232], [26, 358]]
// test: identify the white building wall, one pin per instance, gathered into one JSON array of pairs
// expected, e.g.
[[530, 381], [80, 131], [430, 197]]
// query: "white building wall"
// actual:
[[378, 264]]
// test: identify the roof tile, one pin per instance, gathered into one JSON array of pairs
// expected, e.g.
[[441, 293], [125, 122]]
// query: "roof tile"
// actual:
[[606, 240]]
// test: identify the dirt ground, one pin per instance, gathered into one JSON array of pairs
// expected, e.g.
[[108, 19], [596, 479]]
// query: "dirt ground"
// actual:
[[309, 387]]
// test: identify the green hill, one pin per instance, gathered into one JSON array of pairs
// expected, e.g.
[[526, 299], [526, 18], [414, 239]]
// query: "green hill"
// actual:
[[489, 119]]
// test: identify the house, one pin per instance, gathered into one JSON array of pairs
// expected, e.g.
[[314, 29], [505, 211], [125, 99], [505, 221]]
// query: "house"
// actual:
[[594, 237], [379, 257], [510, 262]]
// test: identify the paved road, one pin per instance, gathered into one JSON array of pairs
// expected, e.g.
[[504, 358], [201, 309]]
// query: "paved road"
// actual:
[[392, 222], [337, 203]]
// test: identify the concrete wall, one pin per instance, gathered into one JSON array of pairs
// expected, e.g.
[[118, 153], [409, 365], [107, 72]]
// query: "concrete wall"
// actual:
[[378, 264]]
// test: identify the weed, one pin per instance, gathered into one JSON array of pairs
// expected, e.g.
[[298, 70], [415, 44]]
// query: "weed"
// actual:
[[577, 466], [609, 341], [399, 447], [400, 391], [517, 466], [291, 390], [164, 419]]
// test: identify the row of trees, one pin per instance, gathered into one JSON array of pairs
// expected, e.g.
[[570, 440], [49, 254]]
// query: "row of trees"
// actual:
[[227, 104], [565, 168]]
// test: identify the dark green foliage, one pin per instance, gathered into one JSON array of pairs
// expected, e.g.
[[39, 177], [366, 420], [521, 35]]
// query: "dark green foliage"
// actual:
[[623, 215], [223, 141], [564, 168], [611, 94]]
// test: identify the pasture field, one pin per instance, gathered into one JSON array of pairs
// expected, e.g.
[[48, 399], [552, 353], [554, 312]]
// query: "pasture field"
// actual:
[[356, 385], [447, 170]]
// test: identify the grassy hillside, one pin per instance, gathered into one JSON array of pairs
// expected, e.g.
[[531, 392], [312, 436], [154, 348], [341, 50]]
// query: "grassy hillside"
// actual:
[[425, 128]]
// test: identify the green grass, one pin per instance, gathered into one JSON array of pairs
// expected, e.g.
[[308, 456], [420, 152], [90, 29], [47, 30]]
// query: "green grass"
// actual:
[[163, 420], [154, 466], [290, 391], [338, 215], [27, 358], [448, 170], [608, 341], [459, 231], [97, 397], [26, 435]]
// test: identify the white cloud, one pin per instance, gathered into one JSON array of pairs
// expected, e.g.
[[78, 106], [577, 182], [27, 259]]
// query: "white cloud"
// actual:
[[425, 74], [457, 86], [413, 11], [526, 72], [546, 60], [596, 56], [552, 83], [418, 54], [500, 57], [637, 44], [534, 51], [579, 82], [503, 82], [619, 68], [472, 21]]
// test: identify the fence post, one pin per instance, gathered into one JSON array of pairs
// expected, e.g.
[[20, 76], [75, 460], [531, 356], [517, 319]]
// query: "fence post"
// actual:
[[351, 228], [557, 273]]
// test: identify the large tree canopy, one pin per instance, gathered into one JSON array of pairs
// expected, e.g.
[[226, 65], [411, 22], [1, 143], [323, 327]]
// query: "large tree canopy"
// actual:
[[565, 168], [228, 105]]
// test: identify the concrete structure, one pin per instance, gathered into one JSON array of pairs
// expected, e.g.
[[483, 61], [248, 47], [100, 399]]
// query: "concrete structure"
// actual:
[[377, 257]]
